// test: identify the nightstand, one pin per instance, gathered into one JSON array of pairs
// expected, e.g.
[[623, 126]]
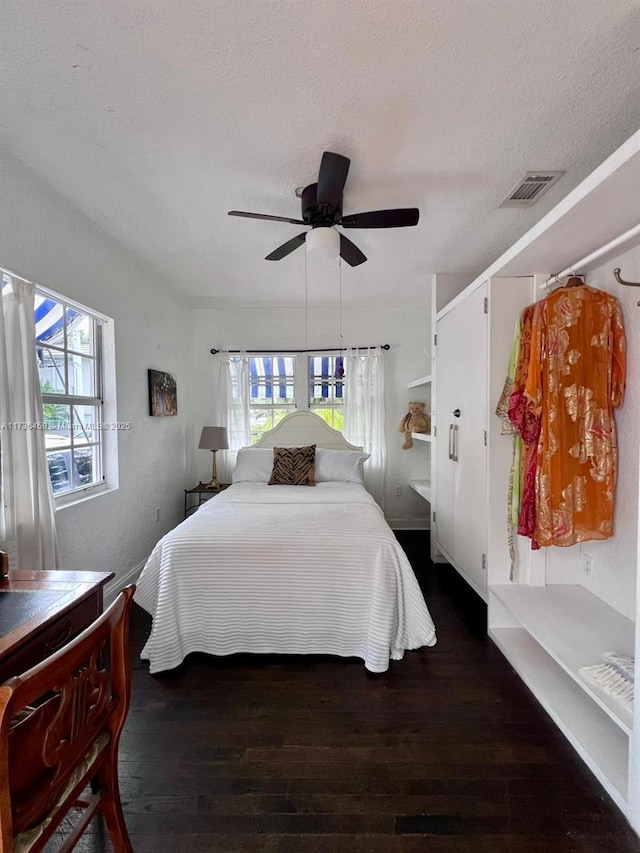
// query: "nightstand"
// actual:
[[204, 492]]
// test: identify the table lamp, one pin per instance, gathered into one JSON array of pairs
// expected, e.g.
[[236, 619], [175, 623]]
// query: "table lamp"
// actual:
[[213, 438]]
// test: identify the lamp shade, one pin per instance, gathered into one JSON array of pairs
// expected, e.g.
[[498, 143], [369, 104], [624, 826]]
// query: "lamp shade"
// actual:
[[213, 438], [323, 243]]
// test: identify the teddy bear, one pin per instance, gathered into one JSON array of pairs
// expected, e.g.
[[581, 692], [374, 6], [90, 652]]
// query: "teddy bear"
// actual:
[[416, 420]]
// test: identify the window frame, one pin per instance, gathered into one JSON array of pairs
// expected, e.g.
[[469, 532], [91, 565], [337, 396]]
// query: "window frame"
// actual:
[[270, 404], [331, 380], [301, 387], [73, 401]]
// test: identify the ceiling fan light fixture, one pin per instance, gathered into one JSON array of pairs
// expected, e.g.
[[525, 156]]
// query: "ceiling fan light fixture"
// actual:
[[323, 243], [321, 204]]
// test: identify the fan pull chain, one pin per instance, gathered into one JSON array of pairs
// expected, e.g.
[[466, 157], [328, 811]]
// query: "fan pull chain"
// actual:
[[340, 339], [306, 304], [340, 298]]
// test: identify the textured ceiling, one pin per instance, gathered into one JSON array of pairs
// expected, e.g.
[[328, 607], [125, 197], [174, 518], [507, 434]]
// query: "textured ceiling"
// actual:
[[156, 117]]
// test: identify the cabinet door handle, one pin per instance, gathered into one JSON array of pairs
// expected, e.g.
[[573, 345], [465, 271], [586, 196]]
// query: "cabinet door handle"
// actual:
[[450, 441], [454, 456]]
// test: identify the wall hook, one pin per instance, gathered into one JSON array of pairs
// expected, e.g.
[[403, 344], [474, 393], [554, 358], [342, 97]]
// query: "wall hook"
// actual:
[[620, 280]]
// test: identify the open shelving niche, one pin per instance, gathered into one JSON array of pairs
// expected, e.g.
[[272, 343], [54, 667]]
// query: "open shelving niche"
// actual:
[[422, 380], [548, 634], [546, 627], [422, 486]]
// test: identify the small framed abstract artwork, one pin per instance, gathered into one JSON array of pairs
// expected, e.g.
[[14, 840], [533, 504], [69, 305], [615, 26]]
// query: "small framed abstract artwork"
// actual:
[[163, 394]]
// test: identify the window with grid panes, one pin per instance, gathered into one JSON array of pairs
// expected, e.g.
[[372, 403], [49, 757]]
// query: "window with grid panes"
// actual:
[[69, 357], [326, 388], [271, 392]]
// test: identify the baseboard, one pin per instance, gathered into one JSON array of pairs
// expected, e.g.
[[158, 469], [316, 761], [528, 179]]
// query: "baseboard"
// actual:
[[112, 589]]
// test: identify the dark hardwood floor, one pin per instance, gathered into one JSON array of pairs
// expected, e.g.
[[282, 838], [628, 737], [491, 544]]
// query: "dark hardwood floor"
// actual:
[[446, 752]]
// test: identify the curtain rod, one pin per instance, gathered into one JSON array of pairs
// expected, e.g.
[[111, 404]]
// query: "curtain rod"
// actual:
[[612, 244], [290, 351]]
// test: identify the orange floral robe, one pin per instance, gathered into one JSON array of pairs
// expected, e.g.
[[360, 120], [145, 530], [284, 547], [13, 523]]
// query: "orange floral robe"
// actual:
[[576, 378]]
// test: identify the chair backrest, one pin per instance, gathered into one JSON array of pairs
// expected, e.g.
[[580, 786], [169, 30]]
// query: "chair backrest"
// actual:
[[59, 720]]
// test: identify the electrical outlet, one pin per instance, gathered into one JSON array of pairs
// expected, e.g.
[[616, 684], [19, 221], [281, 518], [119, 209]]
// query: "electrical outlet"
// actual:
[[397, 491], [587, 565], [157, 513]]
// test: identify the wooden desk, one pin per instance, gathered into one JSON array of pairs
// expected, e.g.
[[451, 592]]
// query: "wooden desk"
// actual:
[[41, 611]]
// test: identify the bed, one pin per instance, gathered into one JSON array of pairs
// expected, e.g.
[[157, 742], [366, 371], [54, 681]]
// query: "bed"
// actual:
[[285, 569]]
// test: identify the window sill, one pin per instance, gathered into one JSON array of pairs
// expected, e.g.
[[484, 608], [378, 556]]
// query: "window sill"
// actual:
[[75, 498]]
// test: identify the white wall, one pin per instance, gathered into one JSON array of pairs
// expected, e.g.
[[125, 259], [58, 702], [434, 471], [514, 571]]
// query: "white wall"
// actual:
[[614, 560], [405, 328], [46, 240]]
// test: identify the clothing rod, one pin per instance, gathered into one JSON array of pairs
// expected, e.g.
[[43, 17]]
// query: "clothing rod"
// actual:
[[290, 351], [612, 244]]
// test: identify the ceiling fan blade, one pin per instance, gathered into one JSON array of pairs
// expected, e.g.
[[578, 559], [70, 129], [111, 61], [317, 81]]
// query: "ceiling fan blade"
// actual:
[[350, 253], [398, 218], [331, 180], [265, 216], [286, 248]]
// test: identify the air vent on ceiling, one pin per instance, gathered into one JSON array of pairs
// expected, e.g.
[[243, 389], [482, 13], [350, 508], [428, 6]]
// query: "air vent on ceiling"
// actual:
[[529, 189]]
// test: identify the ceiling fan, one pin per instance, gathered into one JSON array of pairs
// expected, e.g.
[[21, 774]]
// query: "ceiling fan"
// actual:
[[322, 208]]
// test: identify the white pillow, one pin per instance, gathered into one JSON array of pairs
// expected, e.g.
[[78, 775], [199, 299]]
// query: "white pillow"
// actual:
[[253, 465], [339, 466]]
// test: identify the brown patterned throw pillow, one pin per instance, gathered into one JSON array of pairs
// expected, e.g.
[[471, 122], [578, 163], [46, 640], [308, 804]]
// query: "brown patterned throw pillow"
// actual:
[[293, 466]]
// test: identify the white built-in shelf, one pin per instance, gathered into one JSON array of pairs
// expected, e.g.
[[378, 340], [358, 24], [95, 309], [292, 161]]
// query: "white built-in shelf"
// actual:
[[423, 380], [421, 436], [575, 628], [422, 487], [603, 746]]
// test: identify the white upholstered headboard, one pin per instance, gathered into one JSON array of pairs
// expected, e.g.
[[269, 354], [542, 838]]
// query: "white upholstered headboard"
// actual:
[[302, 428]]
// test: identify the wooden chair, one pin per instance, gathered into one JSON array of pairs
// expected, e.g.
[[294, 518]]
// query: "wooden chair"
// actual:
[[60, 725]]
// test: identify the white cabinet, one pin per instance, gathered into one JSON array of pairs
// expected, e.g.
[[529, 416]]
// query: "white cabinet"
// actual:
[[478, 325], [421, 483], [444, 288], [460, 427], [554, 618]]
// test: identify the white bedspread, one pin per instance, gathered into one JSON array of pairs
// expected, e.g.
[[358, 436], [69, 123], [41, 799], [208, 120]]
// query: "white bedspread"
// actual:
[[283, 569]]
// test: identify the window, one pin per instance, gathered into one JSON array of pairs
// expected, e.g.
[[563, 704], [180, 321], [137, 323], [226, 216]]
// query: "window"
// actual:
[[326, 389], [69, 350], [271, 393], [278, 386]]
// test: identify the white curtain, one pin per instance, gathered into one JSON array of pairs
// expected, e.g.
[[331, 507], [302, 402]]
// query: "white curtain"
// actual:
[[27, 510], [231, 401], [364, 413]]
